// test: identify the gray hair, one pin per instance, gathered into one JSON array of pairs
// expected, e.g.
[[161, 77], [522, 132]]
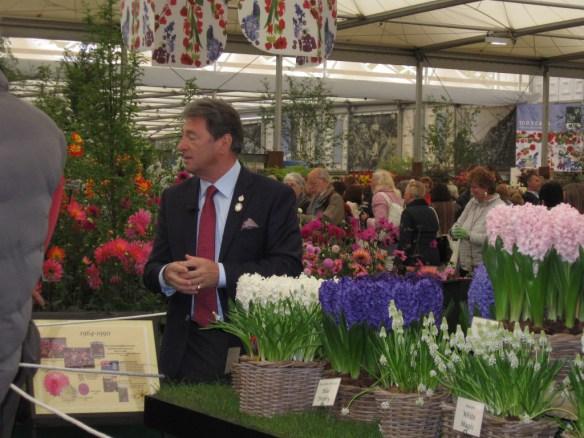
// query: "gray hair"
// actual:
[[321, 173], [294, 177], [221, 119]]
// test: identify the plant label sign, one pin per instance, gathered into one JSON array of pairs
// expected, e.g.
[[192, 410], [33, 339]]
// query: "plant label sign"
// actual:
[[326, 392], [481, 325], [232, 357], [468, 417]]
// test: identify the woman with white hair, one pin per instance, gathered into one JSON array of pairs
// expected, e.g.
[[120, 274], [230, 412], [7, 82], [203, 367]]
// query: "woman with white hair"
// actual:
[[385, 197], [296, 182]]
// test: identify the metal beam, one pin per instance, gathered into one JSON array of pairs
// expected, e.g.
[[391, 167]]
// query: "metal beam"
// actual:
[[401, 12], [567, 57], [533, 30], [544, 3]]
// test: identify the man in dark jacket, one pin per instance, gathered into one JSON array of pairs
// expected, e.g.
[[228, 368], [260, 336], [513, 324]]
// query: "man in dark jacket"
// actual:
[[224, 222]]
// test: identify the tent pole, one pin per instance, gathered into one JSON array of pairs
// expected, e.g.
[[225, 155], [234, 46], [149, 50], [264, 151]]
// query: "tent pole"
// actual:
[[417, 165], [278, 114], [544, 170]]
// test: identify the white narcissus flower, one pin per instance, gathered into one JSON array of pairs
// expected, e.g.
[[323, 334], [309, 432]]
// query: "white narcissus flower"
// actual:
[[345, 411]]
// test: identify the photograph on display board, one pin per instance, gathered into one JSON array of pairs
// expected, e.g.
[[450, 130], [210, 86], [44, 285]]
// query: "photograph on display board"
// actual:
[[565, 139], [371, 139], [124, 346]]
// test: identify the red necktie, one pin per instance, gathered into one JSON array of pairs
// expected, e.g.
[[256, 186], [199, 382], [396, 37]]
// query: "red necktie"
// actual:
[[206, 299]]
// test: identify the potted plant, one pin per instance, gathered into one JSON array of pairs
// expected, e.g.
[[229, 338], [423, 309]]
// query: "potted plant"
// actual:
[[409, 401], [512, 373], [575, 395], [278, 321], [354, 310]]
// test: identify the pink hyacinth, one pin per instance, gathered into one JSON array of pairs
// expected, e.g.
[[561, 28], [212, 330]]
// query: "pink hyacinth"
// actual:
[[567, 226], [533, 230], [501, 224]]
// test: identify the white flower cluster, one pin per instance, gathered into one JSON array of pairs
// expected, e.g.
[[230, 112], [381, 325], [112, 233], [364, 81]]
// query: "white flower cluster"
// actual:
[[265, 290]]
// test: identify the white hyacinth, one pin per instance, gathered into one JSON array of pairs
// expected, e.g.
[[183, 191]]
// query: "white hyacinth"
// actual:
[[385, 405], [261, 290]]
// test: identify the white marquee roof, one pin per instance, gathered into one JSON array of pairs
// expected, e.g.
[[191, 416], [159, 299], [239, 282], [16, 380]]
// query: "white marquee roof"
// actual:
[[442, 33]]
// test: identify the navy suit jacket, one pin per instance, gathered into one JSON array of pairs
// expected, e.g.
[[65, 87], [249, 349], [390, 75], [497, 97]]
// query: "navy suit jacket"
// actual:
[[273, 248]]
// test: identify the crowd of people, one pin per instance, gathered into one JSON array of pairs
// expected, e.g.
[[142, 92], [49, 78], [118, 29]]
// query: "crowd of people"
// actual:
[[431, 214]]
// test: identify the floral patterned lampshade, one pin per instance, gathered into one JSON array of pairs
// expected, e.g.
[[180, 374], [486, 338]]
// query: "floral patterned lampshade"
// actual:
[[328, 30], [190, 32], [303, 28], [137, 22]]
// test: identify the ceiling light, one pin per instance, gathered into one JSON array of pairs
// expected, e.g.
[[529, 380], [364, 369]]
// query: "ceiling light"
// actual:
[[499, 39]]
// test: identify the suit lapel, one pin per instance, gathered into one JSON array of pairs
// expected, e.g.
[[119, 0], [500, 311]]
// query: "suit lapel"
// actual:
[[235, 218], [189, 210]]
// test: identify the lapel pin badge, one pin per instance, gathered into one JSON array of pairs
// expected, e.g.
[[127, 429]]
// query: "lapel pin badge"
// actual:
[[239, 204]]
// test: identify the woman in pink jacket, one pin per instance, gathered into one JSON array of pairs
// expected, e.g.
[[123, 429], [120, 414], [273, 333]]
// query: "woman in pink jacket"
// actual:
[[385, 197]]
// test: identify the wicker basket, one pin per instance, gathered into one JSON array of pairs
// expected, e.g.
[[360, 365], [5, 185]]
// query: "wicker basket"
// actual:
[[403, 418], [236, 374], [565, 347], [496, 427], [274, 388], [363, 408]]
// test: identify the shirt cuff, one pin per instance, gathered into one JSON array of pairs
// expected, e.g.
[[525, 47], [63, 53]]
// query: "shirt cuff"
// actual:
[[222, 281], [166, 289]]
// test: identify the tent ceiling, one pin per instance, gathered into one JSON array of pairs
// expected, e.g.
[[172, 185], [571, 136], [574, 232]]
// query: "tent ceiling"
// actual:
[[439, 33]]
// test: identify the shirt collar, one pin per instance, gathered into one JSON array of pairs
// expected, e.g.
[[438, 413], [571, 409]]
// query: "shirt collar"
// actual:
[[226, 184]]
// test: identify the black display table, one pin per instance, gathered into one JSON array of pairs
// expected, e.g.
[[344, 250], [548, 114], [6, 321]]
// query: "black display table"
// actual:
[[183, 422]]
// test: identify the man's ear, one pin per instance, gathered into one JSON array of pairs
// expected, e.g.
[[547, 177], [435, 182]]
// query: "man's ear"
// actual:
[[226, 142]]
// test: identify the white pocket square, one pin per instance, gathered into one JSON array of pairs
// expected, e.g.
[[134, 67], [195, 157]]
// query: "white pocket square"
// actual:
[[249, 224]]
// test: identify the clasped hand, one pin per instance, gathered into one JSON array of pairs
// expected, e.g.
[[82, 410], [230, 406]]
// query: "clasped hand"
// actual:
[[459, 233], [191, 275]]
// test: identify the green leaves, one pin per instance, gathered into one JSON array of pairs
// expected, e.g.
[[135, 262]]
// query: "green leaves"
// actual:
[[284, 330], [348, 349]]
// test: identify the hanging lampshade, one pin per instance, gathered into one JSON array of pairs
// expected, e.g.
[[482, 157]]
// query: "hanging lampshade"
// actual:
[[137, 23]]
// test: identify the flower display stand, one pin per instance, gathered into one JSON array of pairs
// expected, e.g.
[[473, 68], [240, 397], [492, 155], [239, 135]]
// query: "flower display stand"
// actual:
[[273, 388], [500, 427], [402, 415], [362, 408], [183, 422]]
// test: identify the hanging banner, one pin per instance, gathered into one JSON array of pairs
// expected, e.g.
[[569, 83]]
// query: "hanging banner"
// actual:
[[565, 137], [190, 33], [137, 22], [327, 25], [287, 27]]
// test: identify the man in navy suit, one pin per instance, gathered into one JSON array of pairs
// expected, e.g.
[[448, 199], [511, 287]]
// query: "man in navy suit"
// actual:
[[224, 222]]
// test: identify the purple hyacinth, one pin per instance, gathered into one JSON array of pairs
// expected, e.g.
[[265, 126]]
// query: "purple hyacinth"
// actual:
[[366, 299], [480, 293]]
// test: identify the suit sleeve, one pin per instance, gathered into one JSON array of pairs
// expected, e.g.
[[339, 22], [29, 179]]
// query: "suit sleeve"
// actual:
[[282, 253], [160, 255]]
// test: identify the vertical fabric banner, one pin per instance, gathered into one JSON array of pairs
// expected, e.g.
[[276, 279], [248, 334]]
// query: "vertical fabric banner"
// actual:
[[137, 23], [565, 137], [287, 27], [327, 25], [190, 32]]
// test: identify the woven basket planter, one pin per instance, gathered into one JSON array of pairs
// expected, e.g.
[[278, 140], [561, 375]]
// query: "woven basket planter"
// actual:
[[236, 374], [274, 388], [363, 408], [496, 427], [403, 418], [565, 347]]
